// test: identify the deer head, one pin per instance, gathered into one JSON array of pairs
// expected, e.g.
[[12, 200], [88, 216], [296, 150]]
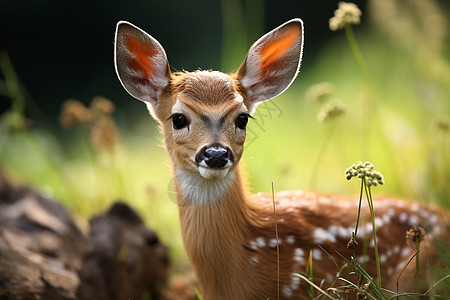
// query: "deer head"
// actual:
[[204, 114]]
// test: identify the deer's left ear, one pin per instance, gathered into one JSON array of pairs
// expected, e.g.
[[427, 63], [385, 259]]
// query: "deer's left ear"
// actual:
[[272, 63], [141, 63]]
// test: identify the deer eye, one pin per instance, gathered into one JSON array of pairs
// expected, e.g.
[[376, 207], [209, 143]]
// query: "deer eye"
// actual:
[[179, 121], [242, 120]]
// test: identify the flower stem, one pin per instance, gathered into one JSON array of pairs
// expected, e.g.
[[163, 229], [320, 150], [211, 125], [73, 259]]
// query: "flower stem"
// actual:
[[359, 214], [356, 51], [359, 207], [372, 214]]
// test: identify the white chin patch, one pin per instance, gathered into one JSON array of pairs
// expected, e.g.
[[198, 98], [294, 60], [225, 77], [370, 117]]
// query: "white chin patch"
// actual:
[[213, 173], [206, 187]]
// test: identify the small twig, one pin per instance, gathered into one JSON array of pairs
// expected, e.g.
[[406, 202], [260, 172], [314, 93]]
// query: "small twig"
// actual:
[[398, 278], [314, 285], [357, 288], [438, 282]]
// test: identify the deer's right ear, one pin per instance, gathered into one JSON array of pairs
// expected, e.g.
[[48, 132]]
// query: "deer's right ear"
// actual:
[[141, 63], [272, 63]]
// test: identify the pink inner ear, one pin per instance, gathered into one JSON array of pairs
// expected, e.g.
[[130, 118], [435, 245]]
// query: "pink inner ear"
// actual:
[[142, 56], [277, 49]]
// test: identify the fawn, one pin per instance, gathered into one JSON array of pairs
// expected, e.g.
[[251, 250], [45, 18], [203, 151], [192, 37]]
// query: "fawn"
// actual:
[[228, 233]]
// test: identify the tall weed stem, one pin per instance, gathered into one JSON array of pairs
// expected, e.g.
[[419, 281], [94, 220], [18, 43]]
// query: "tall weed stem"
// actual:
[[356, 51], [372, 214]]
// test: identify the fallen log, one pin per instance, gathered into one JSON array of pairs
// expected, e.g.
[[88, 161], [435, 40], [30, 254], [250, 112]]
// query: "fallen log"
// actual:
[[45, 255]]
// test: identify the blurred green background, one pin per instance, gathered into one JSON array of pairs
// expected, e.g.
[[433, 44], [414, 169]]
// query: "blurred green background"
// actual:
[[397, 116]]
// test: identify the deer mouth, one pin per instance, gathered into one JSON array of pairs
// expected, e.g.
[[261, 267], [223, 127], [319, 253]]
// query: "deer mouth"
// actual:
[[210, 173]]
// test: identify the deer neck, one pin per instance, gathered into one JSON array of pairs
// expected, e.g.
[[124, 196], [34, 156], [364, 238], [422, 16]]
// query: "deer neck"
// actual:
[[214, 233]]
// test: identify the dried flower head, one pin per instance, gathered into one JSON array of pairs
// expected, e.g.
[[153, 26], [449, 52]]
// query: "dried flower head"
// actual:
[[331, 111], [320, 92], [104, 134], [353, 243], [102, 105], [347, 13], [367, 171], [414, 236], [74, 112]]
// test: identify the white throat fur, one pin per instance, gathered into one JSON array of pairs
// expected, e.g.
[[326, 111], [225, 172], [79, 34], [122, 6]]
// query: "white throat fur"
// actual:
[[200, 191]]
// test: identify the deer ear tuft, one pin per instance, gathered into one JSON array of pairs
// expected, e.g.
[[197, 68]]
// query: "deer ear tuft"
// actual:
[[141, 63], [272, 63]]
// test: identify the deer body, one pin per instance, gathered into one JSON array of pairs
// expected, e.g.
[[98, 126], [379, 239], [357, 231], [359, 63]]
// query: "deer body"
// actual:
[[229, 234]]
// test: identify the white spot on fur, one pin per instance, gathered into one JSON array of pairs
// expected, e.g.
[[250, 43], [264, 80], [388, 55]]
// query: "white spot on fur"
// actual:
[[317, 254], [413, 220], [260, 242], [391, 212], [403, 217], [425, 214], [299, 256], [406, 251], [273, 243], [323, 200], [363, 259], [345, 233], [366, 229], [378, 222], [333, 229], [383, 258], [433, 219], [390, 271], [437, 230], [201, 191], [295, 281], [321, 235], [397, 249], [254, 260], [290, 239], [298, 193], [253, 245], [389, 253], [287, 291]]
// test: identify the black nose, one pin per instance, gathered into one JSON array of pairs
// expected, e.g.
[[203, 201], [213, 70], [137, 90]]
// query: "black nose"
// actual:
[[214, 156]]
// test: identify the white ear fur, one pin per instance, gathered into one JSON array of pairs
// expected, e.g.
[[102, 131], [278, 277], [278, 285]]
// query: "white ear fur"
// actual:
[[141, 63], [272, 63]]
